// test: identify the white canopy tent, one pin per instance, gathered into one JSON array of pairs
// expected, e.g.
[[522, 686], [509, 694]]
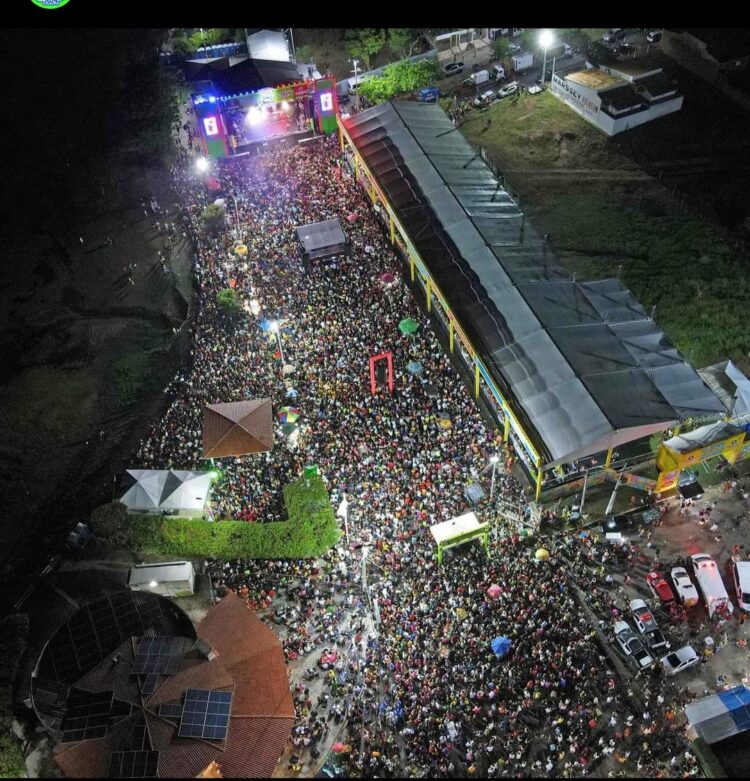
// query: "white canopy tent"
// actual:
[[181, 492], [456, 531]]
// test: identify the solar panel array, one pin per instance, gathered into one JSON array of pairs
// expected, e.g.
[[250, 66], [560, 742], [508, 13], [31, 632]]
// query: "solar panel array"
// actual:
[[87, 715], [205, 714], [170, 711], [134, 764], [158, 655]]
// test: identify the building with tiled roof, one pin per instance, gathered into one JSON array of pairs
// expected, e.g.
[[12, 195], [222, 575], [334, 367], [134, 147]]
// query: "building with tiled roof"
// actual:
[[160, 702]]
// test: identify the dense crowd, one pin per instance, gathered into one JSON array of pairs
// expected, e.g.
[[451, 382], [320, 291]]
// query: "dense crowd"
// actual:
[[419, 691]]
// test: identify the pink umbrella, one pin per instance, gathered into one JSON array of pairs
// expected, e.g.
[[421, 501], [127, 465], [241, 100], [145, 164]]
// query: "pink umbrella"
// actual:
[[494, 591], [337, 748], [387, 278], [352, 217]]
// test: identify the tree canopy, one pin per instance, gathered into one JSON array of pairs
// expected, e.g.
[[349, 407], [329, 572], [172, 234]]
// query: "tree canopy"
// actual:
[[399, 78], [364, 43]]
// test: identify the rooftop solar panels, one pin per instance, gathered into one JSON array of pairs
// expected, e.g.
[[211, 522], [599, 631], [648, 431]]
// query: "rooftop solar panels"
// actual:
[[170, 711], [158, 655], [134, 764], [87, 715], [148, 683], [205, 714]]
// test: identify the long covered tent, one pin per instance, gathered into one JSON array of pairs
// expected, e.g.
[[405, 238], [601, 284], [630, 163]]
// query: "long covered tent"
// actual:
[[575, 368]]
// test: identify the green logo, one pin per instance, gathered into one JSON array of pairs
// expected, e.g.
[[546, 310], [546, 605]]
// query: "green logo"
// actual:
[[49, 4]]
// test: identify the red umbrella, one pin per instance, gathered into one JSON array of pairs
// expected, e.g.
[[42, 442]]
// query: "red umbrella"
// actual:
[[337, 748], [494, 591]]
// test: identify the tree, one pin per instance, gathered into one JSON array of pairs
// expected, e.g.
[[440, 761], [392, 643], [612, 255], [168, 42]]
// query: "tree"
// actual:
[[364, 43], [182, 45], [110, 521], [229, 301], [12, 763], [599, 54], [399, 78], [213, 216], [399, 39], [305, 53], [502, 48]]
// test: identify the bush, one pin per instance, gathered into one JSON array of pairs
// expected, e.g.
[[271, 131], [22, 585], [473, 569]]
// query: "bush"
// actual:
[[229, 301], [310, 531], [110, 521], [12, 764], [14, 632]]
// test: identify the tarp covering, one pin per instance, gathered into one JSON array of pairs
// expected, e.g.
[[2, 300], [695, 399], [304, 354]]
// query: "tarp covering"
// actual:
[[500, 646], [154, 490], [583, 366], [237, 428], [320, 239], [720, 715], [730, 385]]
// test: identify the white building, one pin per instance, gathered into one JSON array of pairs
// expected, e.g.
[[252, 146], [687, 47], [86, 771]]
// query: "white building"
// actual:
[[168, 578], [617, 98]]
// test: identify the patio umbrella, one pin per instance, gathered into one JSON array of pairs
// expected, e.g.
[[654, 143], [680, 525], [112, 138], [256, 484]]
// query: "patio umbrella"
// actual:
[[542, 554], [352, 217], [289, 414], [444, 420], [414, 367], [291, 393], [241, 249], [338, 748], [494, 591], [265, 325], [288, 428], [408, 326], [288, 369], [388, 278], [500, 646]]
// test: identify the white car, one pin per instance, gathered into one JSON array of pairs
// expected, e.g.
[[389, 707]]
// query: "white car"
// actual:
[[679, 660], [484, 98], [646, 624], [453, 68], [685, 589], [508, 89], [631, 646]]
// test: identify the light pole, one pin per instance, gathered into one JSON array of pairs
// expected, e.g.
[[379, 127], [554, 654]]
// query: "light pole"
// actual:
[[493, 460], [545, 41], [237, 215], [275, 328]]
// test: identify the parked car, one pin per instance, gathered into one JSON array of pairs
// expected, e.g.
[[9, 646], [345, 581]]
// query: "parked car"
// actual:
[[508, 89], [485, 98], [452, 68], [684, 588], [654, 36], [631, 646], [679, 660], [646, 624], [614, 35], [741, 580], [625, 49], [428, 95], [659, 587]]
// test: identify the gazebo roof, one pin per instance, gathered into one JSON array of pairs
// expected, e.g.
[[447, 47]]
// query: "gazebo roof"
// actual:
[[237, 428]]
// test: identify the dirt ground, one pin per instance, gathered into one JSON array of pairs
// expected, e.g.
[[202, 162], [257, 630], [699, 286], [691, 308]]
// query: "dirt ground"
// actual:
[[87, 353]]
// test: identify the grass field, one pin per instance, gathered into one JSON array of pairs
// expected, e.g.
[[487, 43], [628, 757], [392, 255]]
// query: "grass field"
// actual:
[[605, 214]]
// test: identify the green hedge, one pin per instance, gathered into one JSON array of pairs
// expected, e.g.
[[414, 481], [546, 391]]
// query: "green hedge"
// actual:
[[310, 531]]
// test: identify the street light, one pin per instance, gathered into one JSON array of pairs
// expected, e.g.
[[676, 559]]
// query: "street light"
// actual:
[[494, 461], [546, 39], [274, 326]]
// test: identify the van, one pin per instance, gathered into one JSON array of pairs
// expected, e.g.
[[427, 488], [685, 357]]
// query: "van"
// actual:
[[711, 585], [741, 580], [428, 95]]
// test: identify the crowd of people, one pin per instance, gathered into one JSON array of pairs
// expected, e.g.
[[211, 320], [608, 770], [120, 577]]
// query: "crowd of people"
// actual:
[[416, 689]]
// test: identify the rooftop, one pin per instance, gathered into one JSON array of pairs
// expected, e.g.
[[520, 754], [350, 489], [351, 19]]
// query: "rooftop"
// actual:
[[593, 79]]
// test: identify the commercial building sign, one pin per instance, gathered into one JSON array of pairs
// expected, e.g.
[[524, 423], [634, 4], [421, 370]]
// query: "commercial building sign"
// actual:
[[568, 91]]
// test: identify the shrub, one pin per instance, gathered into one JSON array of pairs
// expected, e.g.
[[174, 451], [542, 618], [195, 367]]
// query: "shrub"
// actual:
[[110, 521], [12, 764], [311, 529], [213, 216]]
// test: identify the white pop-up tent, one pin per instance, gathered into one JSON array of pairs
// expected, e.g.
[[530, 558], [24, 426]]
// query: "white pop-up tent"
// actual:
[[176, 491]]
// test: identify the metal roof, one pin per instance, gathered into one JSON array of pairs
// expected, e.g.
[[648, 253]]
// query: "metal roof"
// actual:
[[582, 364]]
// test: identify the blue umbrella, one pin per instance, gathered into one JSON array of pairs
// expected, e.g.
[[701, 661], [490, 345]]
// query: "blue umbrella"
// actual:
[[414, 367], [291, 393], [265, 325], [500, 646]]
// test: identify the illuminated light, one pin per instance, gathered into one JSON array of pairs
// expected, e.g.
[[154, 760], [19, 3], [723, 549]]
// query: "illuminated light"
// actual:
[[274, 326], [285, 105], [254, 115], [153, 584], [213, 475], [546, 39], [202, 164], [494, 459], [211, 99]]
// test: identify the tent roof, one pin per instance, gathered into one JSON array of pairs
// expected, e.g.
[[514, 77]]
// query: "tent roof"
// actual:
[[561, 351], [231, 76], [447, 530], [238, 427], [165, 489]]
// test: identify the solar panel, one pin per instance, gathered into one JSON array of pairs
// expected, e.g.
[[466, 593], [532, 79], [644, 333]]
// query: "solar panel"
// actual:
[[158, 655], [120, 710], [170, 711], [148, 683], [87, 715], [134, 764], [205, 714], [128, 618]]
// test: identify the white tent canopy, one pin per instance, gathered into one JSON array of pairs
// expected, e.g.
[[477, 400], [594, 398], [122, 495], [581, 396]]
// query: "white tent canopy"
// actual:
[[157, 490]]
